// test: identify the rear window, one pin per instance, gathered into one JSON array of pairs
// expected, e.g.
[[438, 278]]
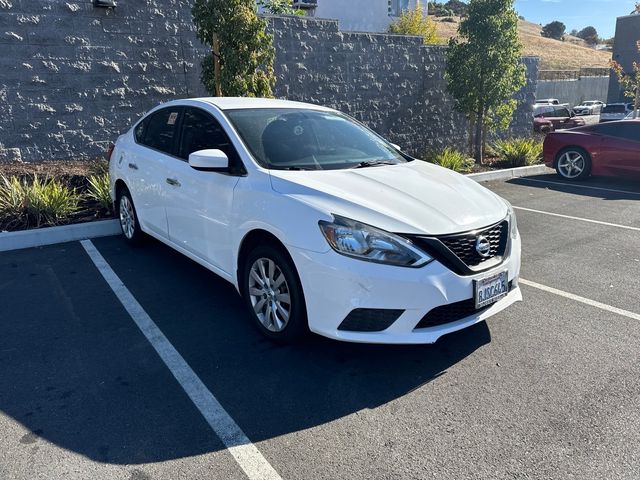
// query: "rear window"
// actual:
[[614, 109]]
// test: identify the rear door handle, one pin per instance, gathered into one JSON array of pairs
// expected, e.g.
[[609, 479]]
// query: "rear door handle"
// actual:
[[174, 182], [133, 166]]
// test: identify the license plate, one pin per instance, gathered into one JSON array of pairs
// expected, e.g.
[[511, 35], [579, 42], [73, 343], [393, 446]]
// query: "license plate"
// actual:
[[491, 289]]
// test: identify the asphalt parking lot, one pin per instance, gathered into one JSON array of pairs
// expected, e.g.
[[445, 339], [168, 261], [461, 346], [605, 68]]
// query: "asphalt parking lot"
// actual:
[[547, 389]]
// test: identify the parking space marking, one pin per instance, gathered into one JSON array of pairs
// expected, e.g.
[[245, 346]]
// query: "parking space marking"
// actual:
[[573, 185], [246, 454], [578, 298], [626, 227]]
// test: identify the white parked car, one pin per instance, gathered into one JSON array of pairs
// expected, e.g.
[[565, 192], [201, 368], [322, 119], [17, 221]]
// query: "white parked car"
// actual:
[[590, 107], [548, 101], [317, 221], [615, 111]]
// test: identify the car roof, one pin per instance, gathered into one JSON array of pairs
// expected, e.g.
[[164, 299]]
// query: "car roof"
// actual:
[[242, 103]]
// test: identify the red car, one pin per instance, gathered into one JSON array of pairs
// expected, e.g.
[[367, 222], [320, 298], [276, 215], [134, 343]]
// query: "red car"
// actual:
[[548, 118], [611, 149]]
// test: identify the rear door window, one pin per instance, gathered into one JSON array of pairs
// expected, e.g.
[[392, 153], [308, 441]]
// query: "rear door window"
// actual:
[[161, 128]]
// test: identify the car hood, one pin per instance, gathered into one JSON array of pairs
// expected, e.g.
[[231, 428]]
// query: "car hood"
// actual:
[[415, 197]]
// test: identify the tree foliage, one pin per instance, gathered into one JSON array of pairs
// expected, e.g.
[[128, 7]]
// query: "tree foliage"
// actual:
[[450, 8], [589, 35], [415, 22], [484, 68], [630, 82], [279, 7], [554, 30], [246, 49]]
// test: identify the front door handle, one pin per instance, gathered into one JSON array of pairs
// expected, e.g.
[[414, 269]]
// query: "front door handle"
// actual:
[[173, 181], [133, 166]]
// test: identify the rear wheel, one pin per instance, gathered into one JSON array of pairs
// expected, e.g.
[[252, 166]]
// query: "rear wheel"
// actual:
[[573, 163], [128, 217], [273, 294]]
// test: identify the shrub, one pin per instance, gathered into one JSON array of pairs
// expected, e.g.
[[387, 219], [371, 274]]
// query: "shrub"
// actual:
[[37, 203], [100, 191], [519, 152], [451, 159], [415, 22]]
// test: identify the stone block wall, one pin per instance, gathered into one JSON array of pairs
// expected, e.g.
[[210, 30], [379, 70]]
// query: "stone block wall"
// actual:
[[393, 83], [74, 77]]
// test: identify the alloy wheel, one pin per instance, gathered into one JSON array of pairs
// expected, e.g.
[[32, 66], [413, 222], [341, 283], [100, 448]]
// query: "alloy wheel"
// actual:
[[269, 294], [127, 217], [571, 164]]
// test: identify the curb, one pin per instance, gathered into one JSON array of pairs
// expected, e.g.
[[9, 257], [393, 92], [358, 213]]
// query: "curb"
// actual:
[[510, 173], [52, 235]]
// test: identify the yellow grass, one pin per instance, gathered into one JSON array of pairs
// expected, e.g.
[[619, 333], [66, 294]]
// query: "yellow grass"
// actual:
[[554, 54]]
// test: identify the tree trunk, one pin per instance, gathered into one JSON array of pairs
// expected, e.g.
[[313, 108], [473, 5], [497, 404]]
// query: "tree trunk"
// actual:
[[637, 103], [478, 140], [471, 131], [216, 64]]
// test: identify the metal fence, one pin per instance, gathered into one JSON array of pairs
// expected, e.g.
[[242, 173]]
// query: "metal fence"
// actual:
[[573, 74]]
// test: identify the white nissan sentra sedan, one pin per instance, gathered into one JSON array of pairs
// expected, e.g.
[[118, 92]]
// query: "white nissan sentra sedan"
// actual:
[[318, 222]]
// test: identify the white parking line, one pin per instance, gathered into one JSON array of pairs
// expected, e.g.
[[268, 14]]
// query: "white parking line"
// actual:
[[574, 185], [577, 298], [626, 227], [255, 466]]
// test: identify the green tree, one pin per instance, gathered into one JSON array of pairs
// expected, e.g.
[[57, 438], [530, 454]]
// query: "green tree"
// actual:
[[589, 35], [554, 30], [458, 7], [630, 82], [241, 63], [484, 68], [415, 22], [280, 7]]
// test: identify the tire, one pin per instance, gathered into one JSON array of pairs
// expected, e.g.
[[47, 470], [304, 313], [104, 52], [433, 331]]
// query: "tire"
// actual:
[[266, 266], [573, 163], [128, 217]]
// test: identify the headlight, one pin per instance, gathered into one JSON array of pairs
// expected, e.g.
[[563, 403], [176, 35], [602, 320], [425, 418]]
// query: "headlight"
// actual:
[[357, 240], [511, 218]]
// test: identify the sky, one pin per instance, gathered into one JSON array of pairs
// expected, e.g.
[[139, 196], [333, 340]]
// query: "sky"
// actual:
[[577, 13]]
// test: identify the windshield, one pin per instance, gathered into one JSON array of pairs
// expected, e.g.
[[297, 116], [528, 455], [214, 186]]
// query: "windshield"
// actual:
[[297, 139]]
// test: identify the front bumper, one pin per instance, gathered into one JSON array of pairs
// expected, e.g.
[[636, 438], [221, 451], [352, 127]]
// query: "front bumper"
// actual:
[[334, 285]]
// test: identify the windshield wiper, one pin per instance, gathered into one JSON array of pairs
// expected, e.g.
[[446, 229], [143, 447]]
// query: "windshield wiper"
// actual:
[[374, 163], [296, 168]]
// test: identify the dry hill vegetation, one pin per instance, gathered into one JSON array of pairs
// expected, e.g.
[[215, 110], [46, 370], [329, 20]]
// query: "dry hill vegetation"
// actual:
[[554, 54]]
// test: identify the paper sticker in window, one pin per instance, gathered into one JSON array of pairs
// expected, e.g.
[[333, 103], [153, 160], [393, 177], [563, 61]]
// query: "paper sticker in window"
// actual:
[[172, 118]]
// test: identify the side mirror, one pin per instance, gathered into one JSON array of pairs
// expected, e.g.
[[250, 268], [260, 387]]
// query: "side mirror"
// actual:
[[397, 147], [209, 160]]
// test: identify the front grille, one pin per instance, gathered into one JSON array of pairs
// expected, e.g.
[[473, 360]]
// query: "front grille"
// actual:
[[464, 245], [369, 320], [451, 313], [458, 252]]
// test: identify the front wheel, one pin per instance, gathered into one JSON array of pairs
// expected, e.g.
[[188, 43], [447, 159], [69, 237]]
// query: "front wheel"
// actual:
[[273, 294], [573, 163]]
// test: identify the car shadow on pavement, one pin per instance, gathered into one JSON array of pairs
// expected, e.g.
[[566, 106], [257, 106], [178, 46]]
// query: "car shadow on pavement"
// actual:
[[271, 390], [604, 188], [94, 386]]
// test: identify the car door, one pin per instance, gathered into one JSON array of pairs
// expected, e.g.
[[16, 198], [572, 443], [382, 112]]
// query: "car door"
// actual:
[[149, 164], [562, 119], [621, 145], [200, 212]]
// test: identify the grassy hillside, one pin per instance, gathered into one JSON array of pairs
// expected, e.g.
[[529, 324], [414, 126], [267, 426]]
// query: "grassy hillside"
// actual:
[[554, 54]]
